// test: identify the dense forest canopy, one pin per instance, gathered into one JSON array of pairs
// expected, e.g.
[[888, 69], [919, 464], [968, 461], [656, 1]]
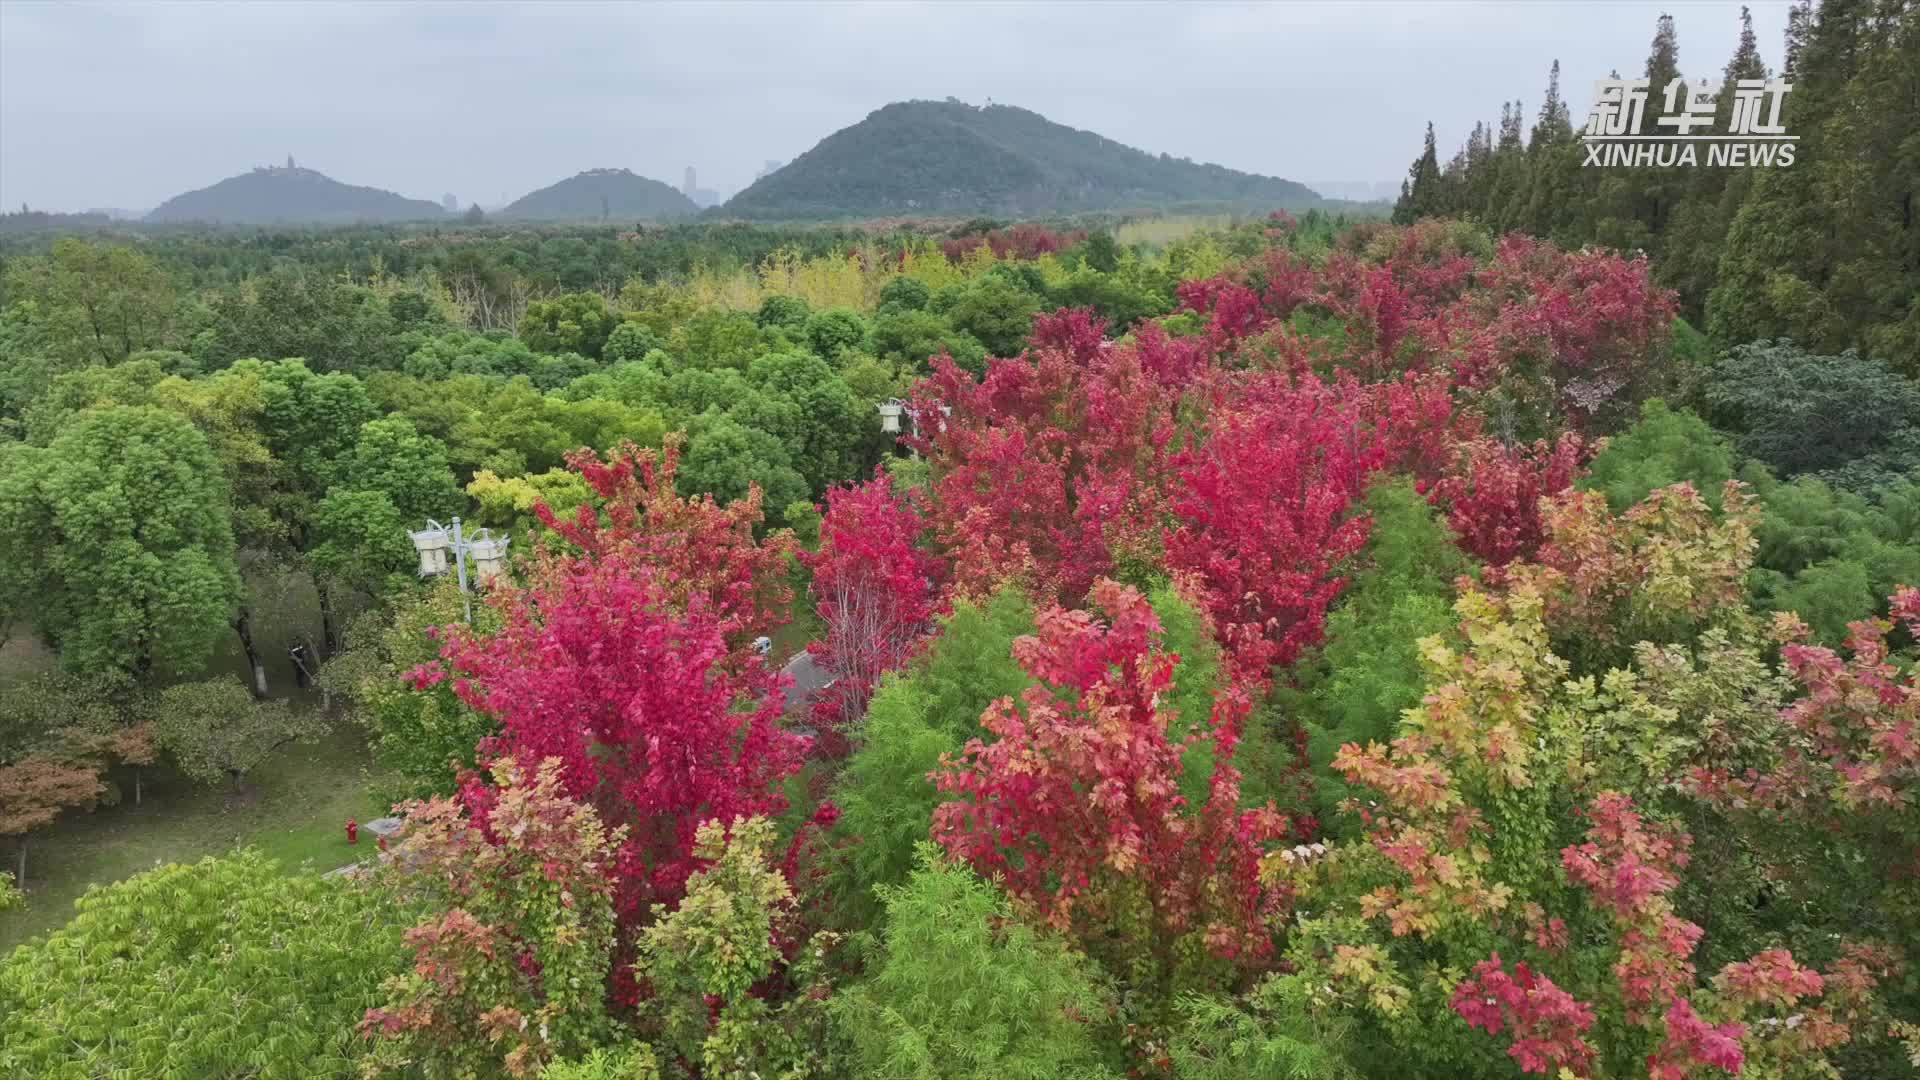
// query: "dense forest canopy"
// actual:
[[1826, 252], [1183, 649]]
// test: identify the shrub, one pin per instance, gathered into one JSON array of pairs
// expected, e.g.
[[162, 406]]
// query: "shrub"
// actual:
[[960, 988]]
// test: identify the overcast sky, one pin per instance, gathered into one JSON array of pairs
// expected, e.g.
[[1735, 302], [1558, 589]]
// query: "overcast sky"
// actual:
[[125, 105]]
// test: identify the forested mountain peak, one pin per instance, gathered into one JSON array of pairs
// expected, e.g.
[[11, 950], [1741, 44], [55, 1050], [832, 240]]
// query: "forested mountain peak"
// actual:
[[602, 193], [953, 157], [291, 193]]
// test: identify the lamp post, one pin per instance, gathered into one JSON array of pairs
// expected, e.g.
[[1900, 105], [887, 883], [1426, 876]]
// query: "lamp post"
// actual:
[[436, 542], [892, 409]]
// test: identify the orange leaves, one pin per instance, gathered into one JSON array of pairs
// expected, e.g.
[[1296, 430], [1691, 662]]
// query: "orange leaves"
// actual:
[[34, 790]]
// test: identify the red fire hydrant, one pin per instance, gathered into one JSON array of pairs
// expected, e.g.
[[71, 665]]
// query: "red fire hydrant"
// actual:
[[353, 831]]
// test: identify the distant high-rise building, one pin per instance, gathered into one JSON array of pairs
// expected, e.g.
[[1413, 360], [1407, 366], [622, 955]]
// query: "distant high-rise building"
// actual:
[[772, 166], [289, 161], [702, 197], [452, 204]]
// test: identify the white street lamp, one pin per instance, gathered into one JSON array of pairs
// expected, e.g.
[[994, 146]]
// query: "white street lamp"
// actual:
[[890, 415], [436, 542], [431, 542], [489, 555]]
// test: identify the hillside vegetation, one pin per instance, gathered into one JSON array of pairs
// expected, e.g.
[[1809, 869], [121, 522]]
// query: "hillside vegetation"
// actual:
[[599, 195], [268, 196], [950, 157]]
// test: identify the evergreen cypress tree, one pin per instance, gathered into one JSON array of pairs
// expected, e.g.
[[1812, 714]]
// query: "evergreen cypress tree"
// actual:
[[1826, 251], [1420, 194]]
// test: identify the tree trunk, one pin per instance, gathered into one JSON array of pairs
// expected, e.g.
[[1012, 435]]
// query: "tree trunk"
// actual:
[[20, 869], [243, 626], [136, 785], [329, 641]]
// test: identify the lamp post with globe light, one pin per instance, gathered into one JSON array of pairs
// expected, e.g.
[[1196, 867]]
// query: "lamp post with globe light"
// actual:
[[436, 543], [892, 409]]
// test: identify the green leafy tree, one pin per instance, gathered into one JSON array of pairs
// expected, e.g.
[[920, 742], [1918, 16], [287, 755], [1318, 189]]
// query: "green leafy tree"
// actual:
[[409, 468], [225, 968], [717, 339], [1369, 671], [361, 542], [1664, 447], [1799, 412], [704, 958], [133, 566], [511, 963], [829, 425], [910, 337], [574, 323], [215, 731], [630, 342], [101, 302], [995, 312], [885, 796], [835, 331], [727, 458], [1121, 299], [905, 294], [313, 424], [328, 322], [132, 382], [394, 480], [960, 988], [1833, 556], [422, 737], [789, 312]]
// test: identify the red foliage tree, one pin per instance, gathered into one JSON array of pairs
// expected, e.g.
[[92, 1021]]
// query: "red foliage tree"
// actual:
[[874, 588], [1492, 495], [640, 703], [1544, 1021], [1076, 806], [624, 658], [1849, 764], [1592, 325], [1024, 241], [694, 546], [1050, 469], [1262, 499]]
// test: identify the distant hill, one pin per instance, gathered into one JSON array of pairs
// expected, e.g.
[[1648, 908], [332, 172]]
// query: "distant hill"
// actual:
[[922, 157], [270, 195], [601, 193]]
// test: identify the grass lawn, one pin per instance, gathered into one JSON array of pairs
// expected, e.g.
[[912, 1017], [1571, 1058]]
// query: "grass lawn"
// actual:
[[294, 809]]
